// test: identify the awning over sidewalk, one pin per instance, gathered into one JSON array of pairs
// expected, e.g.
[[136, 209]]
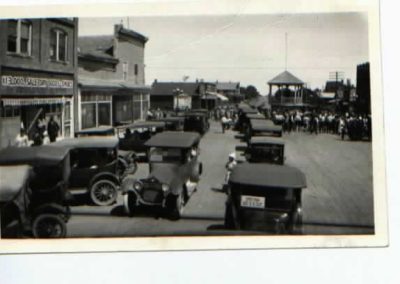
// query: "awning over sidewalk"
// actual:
[[96, 84], [215, 95], [32, 101]]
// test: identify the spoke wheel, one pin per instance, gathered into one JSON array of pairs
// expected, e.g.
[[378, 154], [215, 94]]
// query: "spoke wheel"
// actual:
[[49, 226], [132, 168], [103, 192], [130, 203], [297, 225], [177, 204]]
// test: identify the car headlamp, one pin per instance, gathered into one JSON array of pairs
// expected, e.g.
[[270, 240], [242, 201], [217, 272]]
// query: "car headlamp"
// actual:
[[165, 187], [138, 185]]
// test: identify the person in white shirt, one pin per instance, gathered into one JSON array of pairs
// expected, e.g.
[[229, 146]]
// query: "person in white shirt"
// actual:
[[230, 165], [22, 139]]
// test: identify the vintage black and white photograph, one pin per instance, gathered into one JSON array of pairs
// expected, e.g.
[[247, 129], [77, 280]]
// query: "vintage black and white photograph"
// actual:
[[182, 126]]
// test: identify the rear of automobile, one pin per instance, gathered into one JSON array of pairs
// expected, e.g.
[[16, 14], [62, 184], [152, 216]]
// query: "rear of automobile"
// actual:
[[261, 208]]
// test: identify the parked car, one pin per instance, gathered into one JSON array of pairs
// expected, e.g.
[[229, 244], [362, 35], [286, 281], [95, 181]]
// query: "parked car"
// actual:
[[265, 150], [244, 111], [196, 122], [94, 167], [174, 173], [33, 191], [262, 127], [172, 123], [103, 130], [265, 197], [127, 160], [132, 137]]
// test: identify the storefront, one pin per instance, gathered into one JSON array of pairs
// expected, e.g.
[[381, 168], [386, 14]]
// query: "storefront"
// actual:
[[110, 103], [26, 96]]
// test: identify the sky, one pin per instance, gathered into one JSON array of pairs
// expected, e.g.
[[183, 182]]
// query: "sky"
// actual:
[[246, 48]]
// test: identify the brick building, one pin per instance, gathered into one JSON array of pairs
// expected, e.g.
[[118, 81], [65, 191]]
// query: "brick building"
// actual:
[[112, 86], [38, 65]]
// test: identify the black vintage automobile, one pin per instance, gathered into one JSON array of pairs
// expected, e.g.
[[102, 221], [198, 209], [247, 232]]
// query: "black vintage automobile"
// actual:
[[265, 197], [38, 201], [132, 137], [103, 130], [127, 160], [196, 122], [265, 150], [94, 167], [262, 127], [172, 123], [244, 111], [174, 173]]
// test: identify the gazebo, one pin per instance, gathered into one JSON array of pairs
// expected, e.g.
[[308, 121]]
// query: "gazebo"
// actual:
[[290, 90]]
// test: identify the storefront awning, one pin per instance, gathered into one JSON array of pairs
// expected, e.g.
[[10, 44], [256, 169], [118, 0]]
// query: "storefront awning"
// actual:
[[34, 101], [215, 95], [95, 84]]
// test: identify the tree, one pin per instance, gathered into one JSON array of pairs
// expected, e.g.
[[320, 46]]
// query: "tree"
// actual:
[[249, 92]]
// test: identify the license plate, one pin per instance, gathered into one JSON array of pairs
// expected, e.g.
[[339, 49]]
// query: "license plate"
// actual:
[[252, 201]]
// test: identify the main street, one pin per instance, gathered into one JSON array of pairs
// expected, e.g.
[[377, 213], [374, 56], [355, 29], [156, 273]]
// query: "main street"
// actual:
[[338, 199]]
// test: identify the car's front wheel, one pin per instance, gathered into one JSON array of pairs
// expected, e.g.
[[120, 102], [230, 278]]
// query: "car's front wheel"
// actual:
[[49, 226], [103, 192], [130, 203], [175, 205]]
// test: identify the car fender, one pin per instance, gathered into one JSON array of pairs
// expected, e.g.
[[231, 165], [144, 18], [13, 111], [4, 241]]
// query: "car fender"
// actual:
[[53, 208], [105, 175]]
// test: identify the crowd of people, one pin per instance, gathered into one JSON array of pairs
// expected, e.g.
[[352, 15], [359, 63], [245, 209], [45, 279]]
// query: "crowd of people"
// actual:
[[43, 133], [324, 122]]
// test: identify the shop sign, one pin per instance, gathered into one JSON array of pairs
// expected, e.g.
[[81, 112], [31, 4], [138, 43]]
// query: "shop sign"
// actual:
[[32, 82]]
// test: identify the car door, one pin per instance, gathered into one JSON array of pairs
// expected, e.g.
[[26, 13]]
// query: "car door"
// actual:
[[83, 167]]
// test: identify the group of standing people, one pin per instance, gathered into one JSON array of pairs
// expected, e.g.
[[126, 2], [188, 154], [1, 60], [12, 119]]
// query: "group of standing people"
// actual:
[[227, 115], [44, 133], [323, 122]]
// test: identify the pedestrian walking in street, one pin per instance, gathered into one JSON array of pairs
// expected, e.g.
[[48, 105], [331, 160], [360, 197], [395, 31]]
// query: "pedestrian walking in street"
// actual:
[[52, 129], [224, 122], [22, 140], [230, 165]]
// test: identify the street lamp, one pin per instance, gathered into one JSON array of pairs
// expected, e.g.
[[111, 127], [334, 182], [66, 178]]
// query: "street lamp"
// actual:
[[177, 92]]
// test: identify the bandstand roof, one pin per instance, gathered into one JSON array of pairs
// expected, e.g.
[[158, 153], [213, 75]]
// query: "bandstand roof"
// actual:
[[285, 78]]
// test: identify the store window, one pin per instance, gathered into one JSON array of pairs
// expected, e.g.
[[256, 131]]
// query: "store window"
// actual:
[[10, 111], [58, 45], [88, 115], [19, 38], [125, 71], [136, 69], [96, 110]]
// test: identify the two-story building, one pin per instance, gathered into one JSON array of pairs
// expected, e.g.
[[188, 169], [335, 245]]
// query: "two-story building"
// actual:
[[38, 64], [231, 90], [112, 86]]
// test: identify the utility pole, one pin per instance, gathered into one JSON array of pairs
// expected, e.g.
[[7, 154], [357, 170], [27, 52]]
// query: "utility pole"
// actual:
[[286, 50]]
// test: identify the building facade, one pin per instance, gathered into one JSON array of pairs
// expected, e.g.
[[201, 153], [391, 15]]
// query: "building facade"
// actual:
[[38, 71], [112, 88], [231, 90], [184, 95]]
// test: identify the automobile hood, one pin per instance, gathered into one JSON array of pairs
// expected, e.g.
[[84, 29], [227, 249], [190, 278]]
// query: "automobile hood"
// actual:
[[165, 173]]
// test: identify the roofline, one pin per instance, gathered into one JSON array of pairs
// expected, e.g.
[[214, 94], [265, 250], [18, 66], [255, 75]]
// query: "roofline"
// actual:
[[98, 58], [119, 29]]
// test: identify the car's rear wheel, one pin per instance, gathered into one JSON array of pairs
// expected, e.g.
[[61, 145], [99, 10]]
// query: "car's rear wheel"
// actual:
[[175, 205], [229, 223], [103, 192], [130, 203], [297, 222], [49, 226]]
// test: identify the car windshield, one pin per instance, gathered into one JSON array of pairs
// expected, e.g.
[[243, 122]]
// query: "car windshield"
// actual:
[[267, 152], [165, 155]]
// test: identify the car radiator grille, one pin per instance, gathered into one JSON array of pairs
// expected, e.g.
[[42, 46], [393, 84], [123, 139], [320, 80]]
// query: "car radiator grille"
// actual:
[[152, 192]]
